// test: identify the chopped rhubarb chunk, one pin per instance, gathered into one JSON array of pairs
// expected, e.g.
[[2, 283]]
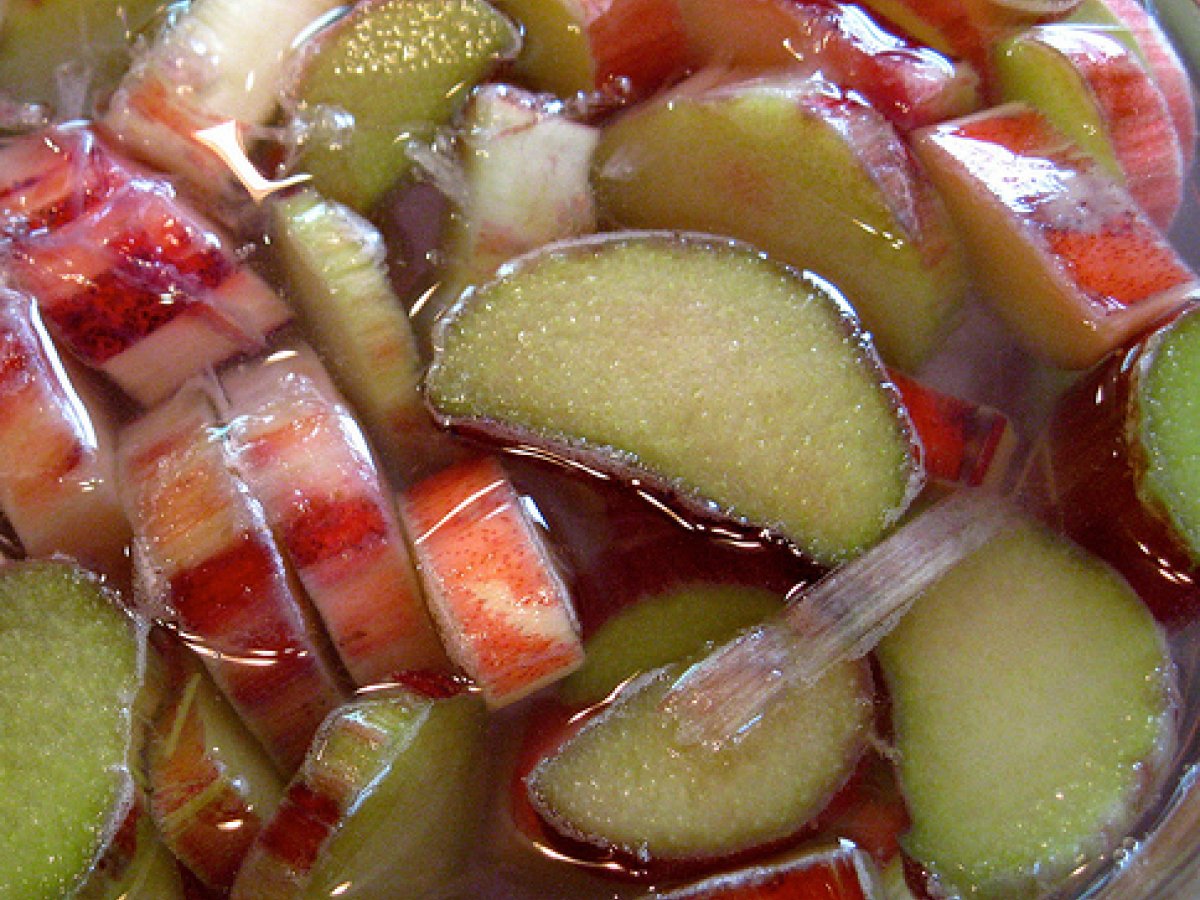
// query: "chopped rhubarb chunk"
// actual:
[[57, 471], [1062, 252], [208, 559], [306, 460], [502, 608]]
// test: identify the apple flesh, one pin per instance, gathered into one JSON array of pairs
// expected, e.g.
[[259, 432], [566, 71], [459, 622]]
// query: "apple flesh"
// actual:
[[608, 349], [1030, 694], [805, 171]]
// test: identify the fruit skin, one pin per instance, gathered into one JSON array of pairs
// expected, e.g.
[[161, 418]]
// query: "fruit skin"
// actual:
[[618, 50], [846, 201], [1071, 281], [401, 69]]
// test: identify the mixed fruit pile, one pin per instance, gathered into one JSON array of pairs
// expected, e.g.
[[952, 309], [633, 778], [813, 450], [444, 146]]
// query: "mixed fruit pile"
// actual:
[[525, 448]]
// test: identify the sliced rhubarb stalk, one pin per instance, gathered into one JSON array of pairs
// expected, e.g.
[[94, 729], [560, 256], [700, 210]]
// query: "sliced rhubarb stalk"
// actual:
[[843, 873], [146, 291], [626, 784], [71, 664], [965, 443], [57, 468], [1062, 253], [843, 616], [219, 61], [382, 800], [500, 604], [206, 553], [910, 84], [608, 350], [307, 462], [333, 260], [210, 784], [1032, 697], [136, 864]]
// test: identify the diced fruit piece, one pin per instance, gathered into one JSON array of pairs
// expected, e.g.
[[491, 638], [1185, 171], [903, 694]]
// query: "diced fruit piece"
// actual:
[[625, 783], [626, 48], [665, 628], [810, 174], [57, 469], [217, 61], [68, 53], [1121, 474], [500, 604], [1030, 695], [305, 459], [1062, 253], [910, 84], [399, 69], [71, 663], [839, 874], [668, 358], [333, 260], [1094, 90], [209, 563], [136, 865], [965, 443], [210, 784], [384, 800], [526, 169]]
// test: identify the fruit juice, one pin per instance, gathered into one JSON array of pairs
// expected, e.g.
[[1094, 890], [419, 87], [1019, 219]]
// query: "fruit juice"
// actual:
[[615, 541]]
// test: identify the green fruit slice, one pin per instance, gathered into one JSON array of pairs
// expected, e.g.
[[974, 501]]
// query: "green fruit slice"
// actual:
[[1030, 700], [666, 628], [696, 364], [70, 668], [401, 69], [626, 783]]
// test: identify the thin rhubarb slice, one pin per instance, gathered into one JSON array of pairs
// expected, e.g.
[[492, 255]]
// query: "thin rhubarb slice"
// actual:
[[1063, 254], [209, 563], [57, 465], [669, 359], [843, 873], [502, 608], [1031, 697], [305, 459], [383, 801], [333, 262], [626, 784], [71, 665]]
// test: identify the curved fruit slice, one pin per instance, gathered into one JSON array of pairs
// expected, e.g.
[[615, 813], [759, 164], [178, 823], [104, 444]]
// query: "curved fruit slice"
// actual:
[[625, 784], [502, 608], [382, 801], [1072, 279], [665, 628], [732, 384], [333, 260], [71, 665], [1096, 92], [625, 47], [843, 873], [810, 174], [400, 69], [1030, 697]]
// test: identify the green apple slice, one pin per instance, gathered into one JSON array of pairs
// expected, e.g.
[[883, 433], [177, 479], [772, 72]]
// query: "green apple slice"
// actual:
[[401, 69], [734, 385], [625, 782], [1031, 703], [71, 666]]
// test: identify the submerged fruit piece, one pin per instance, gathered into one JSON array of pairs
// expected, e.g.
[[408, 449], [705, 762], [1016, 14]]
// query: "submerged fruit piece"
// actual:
[[383, 802], [732, 384], [843, 873], [809, 173], [1030, 699], [70, 669], [1061, 252], [626, 784], [400, 69], [665, 628]]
